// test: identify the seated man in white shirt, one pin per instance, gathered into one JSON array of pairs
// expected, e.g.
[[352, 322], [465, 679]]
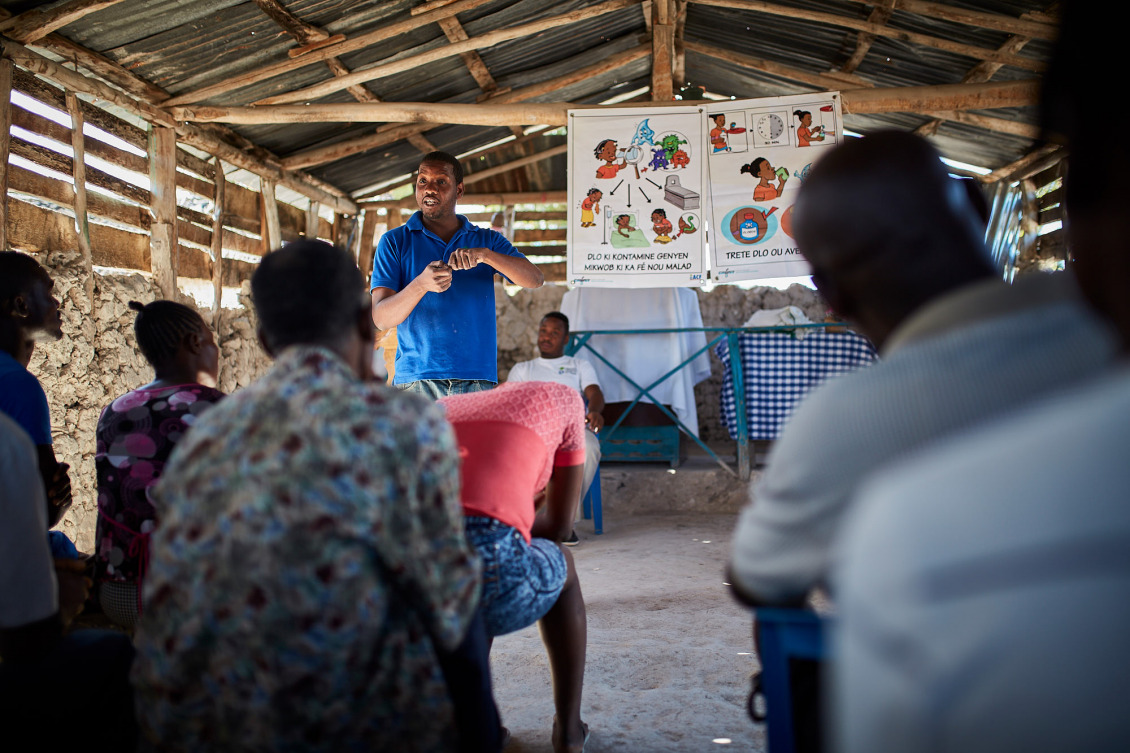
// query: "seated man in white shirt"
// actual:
[[555, 366]]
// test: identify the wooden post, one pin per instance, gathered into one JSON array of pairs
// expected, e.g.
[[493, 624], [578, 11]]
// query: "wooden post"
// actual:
[[662, 50], [5, 135], [78, 172], [272, 232], [218, 245], [368, 230], [312, 220], [163, 207]]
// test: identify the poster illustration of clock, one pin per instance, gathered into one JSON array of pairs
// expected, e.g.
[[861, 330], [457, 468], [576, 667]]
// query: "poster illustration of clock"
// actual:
[[752, 193]]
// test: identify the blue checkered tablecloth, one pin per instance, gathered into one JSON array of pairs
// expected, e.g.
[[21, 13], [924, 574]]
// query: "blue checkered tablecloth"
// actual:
[[779, 370]]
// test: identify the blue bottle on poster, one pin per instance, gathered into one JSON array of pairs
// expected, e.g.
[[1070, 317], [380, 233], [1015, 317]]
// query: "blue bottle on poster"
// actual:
[[748, 228]]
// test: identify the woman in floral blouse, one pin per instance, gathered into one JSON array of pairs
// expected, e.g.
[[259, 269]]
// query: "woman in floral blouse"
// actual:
[[135, 435]]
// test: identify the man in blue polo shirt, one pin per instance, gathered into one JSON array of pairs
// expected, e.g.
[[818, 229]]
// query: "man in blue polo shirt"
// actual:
[[433, 279]]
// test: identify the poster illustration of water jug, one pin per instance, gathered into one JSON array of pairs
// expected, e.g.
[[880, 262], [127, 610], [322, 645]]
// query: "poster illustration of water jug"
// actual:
[[754, 180], [636, 181]]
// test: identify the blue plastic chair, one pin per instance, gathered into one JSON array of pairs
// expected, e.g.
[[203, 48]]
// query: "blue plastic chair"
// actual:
[[785, 634], [591, 505]]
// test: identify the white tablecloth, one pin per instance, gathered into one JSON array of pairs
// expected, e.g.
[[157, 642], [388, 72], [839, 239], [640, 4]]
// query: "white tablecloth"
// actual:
[[644, 358]]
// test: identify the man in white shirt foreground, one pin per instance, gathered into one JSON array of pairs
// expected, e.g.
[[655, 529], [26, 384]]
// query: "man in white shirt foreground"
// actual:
[[554, 366]]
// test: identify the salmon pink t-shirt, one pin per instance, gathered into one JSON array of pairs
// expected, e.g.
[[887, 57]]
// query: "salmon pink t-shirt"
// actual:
[[510, 439]]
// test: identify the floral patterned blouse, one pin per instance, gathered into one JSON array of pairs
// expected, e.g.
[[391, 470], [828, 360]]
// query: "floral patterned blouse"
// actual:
[[310, 552], [135, 435]]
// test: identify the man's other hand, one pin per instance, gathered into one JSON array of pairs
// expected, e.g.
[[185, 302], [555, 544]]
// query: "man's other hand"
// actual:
[[58, 494], [594, 420], [74, 587], [467, 258], [436, 277]]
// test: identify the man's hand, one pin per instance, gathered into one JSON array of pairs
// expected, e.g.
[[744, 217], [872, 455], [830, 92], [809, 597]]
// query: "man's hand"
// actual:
[[58, 494], [436, 277], [467, 258], [74, 587], [594, 420]]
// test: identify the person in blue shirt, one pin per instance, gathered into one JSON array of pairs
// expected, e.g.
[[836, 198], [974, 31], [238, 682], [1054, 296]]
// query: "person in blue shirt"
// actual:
[[433, 279], [28, 311]]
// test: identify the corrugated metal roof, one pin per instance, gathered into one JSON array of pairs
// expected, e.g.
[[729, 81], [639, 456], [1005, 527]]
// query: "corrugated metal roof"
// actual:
[[183, 45]]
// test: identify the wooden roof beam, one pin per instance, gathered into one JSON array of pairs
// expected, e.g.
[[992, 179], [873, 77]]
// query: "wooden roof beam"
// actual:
[[455, 33], [405, 64], [828, 81], [264, 164], [359, 42], [832, 19], [1028, 25], [879, 15], [36, 24], [914, 99], [332, 152]]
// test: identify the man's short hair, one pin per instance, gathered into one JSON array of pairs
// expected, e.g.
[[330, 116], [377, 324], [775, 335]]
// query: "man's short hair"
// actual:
[[306, 293], [447, 159], [559, 317], [18, 272]]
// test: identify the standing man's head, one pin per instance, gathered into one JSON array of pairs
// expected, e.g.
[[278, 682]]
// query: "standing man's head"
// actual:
[[27, 307], [439, 185], [553, 333], [1097, 193], [886, 230], [311, 293]]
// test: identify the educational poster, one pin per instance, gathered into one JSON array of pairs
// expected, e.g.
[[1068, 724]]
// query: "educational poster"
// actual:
[[637, 179], [760, 153]]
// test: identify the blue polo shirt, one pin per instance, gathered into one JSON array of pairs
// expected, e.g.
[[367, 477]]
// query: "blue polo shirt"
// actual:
[[23, 400], [449, 335]]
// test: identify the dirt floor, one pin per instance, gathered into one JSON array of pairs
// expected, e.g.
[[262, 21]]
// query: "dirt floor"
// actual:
[[669, 650]]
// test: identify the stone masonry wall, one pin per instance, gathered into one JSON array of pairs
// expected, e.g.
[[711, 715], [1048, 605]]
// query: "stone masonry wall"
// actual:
[[97, 360]]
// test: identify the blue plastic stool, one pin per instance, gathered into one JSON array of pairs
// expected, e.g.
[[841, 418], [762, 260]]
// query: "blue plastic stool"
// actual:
[[591, 506], [785, 634]]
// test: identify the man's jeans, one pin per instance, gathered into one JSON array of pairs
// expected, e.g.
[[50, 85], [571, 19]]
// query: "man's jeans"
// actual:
[[437, 388]]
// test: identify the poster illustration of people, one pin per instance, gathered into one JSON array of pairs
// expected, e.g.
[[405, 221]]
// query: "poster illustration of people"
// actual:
[[760, 153], [637, 180]]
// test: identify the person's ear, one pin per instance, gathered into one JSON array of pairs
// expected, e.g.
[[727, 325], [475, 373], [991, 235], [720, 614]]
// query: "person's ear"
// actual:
[[832, 295], [192, 343], [459, 191], [366, 328], [19, 308], [263, 343]]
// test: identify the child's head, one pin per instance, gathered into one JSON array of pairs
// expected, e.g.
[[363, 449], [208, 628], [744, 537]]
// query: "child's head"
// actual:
[[658, 214]]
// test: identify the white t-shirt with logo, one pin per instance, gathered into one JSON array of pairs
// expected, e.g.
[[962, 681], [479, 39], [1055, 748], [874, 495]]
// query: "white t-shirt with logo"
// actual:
[[567, 370]]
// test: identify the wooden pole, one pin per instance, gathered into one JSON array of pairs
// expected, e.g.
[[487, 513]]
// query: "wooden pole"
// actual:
[[34, 24], [78, 173], [312, 220], [218, 246], [368, 220], [5, 135], [662, 50], [272, 232], [490, 39], [163, 207], [914, 99]]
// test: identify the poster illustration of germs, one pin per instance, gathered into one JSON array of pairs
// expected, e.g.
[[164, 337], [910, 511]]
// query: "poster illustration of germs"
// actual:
[[760, 153], [636, 188]]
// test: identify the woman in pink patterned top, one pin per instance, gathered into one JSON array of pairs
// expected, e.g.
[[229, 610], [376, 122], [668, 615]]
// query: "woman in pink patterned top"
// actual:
[[517, 440], [135, 435]]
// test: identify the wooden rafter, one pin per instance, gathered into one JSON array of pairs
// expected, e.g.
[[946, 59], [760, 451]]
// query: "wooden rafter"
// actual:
[[489, 39], [455, 33], [1032, 25], [662, 50], [321, 155], [359, 42], [308, 35], [215, 141], [832, 19], [984, 96], [1023, 166], [5, 136], [679, 67], [828, 81], [35, 24], [879, 16]]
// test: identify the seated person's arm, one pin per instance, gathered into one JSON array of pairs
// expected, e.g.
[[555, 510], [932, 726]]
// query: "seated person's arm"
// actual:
[[563, 493], [594, 417], [56, 483]]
